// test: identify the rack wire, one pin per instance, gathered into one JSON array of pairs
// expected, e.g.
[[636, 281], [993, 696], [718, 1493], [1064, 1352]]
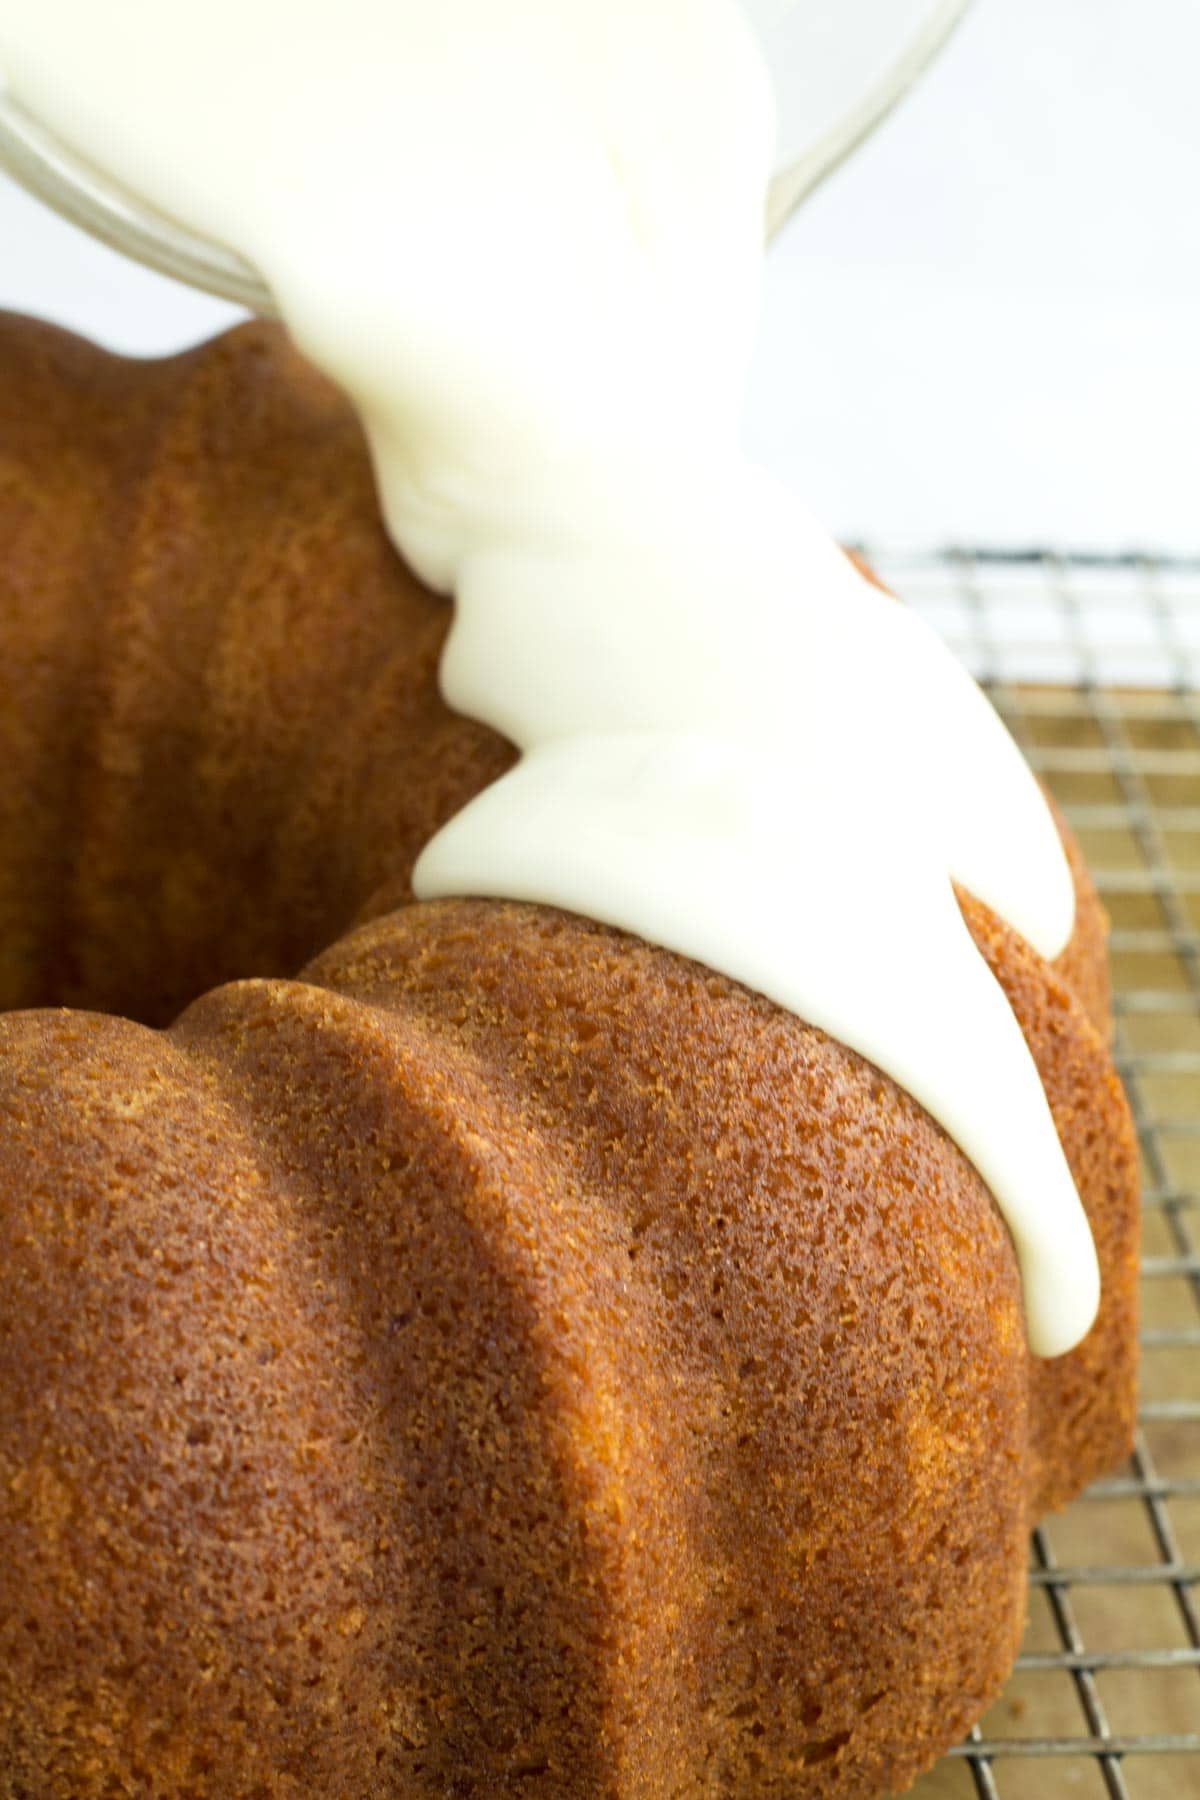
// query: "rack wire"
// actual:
[[1095, 665]]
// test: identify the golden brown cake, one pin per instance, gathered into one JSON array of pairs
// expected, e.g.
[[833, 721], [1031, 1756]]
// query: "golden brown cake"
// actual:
[[505, 1357]]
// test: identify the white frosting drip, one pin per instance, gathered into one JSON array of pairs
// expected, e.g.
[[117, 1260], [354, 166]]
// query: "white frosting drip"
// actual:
[[525, 235]]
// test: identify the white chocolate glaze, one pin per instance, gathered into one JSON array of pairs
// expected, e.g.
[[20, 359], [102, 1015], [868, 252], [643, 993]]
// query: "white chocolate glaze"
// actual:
[[526, 237]]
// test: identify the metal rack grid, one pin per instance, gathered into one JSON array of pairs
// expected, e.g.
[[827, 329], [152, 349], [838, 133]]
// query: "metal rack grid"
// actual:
[[1095, 665]]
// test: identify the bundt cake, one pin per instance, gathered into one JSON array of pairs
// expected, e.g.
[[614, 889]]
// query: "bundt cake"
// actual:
[[502, 1356]]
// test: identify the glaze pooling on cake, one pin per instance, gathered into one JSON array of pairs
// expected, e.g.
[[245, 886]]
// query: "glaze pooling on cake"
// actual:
[[542, 303]]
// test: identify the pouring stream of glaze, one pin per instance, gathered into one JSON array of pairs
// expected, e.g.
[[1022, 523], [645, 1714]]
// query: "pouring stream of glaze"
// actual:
[[527, 239]]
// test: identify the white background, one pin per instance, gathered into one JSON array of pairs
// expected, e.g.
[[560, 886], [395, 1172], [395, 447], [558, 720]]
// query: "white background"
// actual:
[[985, 328]]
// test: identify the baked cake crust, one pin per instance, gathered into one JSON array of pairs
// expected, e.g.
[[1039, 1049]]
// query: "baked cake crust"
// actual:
[[508, 1357]]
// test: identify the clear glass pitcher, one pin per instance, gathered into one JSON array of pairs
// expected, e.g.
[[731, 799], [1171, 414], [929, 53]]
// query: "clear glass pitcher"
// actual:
[[839, 66]]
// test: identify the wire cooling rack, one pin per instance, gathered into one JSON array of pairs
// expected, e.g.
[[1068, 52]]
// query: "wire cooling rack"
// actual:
[[1095, 665]]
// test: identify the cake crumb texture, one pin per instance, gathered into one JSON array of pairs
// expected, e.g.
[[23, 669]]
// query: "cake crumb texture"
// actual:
[[489, 1355]]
